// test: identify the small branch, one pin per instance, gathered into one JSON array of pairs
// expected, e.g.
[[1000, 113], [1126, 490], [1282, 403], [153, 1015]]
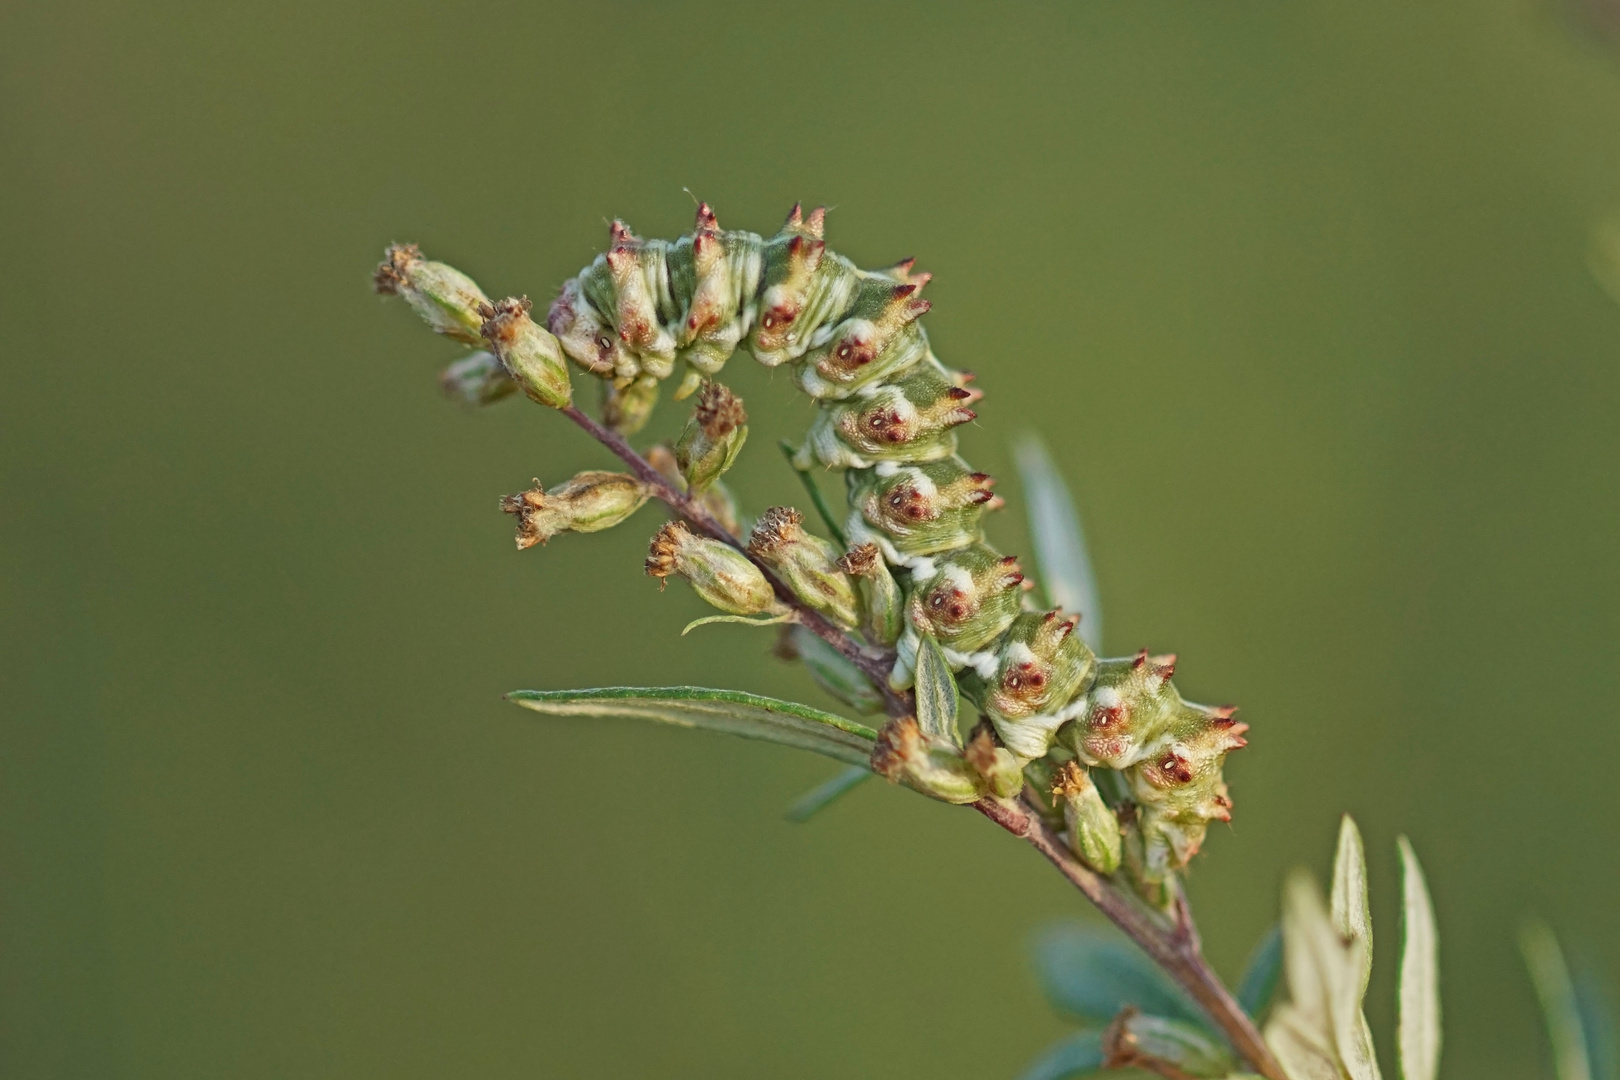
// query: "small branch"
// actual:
[[1174, 947], [874, 664], [816, 498]]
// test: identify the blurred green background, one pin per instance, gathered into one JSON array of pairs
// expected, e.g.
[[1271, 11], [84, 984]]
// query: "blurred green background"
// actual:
[[1298, 292]]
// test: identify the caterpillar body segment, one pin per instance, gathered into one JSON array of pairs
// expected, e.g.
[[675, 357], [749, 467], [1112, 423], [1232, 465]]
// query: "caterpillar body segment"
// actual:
[[917, 563]]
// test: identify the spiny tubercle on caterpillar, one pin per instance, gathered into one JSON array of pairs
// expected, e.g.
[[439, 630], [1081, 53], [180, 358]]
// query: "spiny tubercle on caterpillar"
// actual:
[[888, 410]]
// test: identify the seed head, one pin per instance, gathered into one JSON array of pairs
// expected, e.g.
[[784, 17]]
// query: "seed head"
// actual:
[[807, 564], [447, 299], [531, 356]]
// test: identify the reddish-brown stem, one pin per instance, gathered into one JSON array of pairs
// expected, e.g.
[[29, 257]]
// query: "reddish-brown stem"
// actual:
[[1172, 944], [874, 664]]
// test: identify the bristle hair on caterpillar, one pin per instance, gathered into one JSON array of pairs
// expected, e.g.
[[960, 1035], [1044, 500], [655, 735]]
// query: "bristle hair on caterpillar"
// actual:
[[888, 414]]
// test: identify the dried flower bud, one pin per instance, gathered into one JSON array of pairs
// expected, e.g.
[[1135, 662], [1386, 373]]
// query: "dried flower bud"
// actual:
[[717, 572], [627, 409], [477, 379], [590, 502], [807, 564], [831, 670], [883, 607], [925, 763], [997, 767], [527, 350], [447, 299], [1042, 671], [1093, 830], [712, 438], [911, 510]]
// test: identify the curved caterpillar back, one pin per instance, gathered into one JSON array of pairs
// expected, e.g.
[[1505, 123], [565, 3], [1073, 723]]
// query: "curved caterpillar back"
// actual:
[[888, 414]]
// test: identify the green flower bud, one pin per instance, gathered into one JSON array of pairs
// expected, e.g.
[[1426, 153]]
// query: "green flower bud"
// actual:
[[717, 500], [529, 353], [717, 572], [925, 763], [1135, 1040], [883, 605], [590, 502], [831, 670], [909, 420], [1042, 670], [1153, 883], [712, 438], [447, 299], [626, 409], [477, 379], [1000, 770], [910, 510], [878, 338], [1093, 830], [807, 564]]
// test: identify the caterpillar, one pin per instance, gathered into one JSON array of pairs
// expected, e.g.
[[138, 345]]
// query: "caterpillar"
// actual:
[[1135, 769]]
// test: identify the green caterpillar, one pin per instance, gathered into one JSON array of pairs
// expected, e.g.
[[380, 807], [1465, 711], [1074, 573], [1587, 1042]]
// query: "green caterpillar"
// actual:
[[888, 414]]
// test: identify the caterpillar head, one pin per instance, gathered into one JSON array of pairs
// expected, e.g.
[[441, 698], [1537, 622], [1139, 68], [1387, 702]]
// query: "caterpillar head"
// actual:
[[1129, 706], [912, 417], [586, 336], [883, 311], [1042, 666], [791, 260], [925, 508], [970, 597]]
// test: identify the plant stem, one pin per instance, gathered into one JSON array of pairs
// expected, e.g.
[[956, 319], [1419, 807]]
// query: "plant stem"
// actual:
[[874, 664], [1175, 947]]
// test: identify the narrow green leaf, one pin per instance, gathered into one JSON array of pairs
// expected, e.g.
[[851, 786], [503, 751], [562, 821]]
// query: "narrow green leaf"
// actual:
[[1091, 973], [825, 794], [1060, 546], [731, 711], [1417, 1034], [836, 673], [817, 499], [1260, 978], [1081, 1054], [746, 620], [936, 692], [1352, 916], [1550, 976], [1321, 1030], [1596, 1006]]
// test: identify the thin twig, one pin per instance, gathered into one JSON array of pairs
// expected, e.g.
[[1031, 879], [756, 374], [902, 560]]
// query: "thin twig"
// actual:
[[874, 664], [1173, 946], [816, 498]]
